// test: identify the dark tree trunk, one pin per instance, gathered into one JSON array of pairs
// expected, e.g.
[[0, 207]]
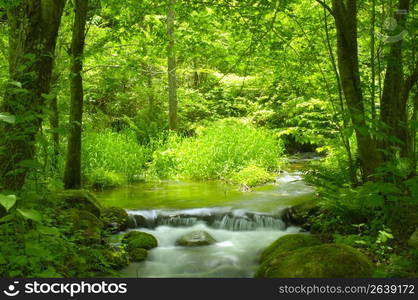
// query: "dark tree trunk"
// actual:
[[394, 99], [72, 173], [172, 80], [33, 30], [345, 15]]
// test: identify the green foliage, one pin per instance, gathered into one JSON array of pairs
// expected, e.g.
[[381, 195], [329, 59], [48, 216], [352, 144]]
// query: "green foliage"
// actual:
[[218, 151], [111, 159], [252, 175]]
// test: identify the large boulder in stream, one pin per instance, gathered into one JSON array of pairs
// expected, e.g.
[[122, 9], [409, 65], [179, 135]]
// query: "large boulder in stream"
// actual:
[[116, 219], [288, 242], [302, 257], [196, 238], [80, 199]]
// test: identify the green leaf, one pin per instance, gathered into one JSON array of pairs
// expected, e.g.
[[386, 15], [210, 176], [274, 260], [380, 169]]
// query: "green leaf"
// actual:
[[30, 214], [7, 201], [15, 83], [7, 118]]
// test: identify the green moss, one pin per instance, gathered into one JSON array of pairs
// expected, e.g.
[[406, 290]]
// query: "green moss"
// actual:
[[139, 239], [115, 218], [81, 199], [323, 261], [286, 243], [138, 254]]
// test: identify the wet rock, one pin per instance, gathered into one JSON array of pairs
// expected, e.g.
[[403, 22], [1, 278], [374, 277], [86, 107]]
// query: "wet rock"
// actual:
[[299, 214], [116, 219], [139, 239], [196, 238]]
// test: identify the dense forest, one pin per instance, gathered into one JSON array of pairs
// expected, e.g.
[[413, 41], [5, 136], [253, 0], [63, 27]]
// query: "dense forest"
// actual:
[[166, 137]]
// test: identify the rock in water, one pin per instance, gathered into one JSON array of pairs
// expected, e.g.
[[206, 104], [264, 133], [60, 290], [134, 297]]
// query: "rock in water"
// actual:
[[196, 238], [115, 219], [323, 261], [138, 239]]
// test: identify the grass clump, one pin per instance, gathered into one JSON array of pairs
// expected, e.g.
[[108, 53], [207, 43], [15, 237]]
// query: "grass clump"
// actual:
[[252, 175], [220, 151], [111, 159]]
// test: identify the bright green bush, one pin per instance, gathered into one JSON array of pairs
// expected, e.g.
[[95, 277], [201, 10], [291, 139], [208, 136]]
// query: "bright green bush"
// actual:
[[252, 175], [218, 151], [110, 158]]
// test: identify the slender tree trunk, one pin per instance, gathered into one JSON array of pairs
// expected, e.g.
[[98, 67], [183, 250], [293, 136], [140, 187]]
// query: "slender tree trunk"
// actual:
[[393, 104], [54, 122], [345, 15], [373, 61], [72, 173], [345, 139], [33, 30], [172, 80]]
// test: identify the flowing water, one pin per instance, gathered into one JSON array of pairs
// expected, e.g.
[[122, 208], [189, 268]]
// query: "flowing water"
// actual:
[[242, 223]]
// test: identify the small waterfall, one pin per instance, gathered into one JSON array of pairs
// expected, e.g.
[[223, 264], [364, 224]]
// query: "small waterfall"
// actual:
[[218, 218]]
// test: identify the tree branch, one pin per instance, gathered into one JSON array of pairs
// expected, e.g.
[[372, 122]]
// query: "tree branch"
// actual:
[[329, 9]]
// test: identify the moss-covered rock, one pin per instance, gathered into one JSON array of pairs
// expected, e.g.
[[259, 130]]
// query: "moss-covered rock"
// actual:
[[81, 199], [138, 254], [413, 240], [286, 243], [196, 238], [139, 239], [84, 225], [115, 219], [323, 261]]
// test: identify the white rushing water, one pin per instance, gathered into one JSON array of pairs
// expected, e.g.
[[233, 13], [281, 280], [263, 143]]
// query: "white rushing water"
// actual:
[[235, 254]]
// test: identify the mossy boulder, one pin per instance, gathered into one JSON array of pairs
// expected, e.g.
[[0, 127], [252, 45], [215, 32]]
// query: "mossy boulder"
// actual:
[[138, 254], [84, 225], [322, 261], [115, 219], [286, 243], [139, 239], [80, 199], [196, 238], [413, 240]]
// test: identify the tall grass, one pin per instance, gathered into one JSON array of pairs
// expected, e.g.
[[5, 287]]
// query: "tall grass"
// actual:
[[111, 159], [218, 151]]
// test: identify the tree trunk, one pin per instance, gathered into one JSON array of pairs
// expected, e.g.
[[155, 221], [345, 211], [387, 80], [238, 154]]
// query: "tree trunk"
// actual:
[[72, 173], [393, 103], [172, 85], [33, 30], [345, 15]]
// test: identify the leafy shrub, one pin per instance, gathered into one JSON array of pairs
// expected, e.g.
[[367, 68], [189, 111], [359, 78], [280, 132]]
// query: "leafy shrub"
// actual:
[[252, 175], [219, 150], [110, 157], [100, 179]]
